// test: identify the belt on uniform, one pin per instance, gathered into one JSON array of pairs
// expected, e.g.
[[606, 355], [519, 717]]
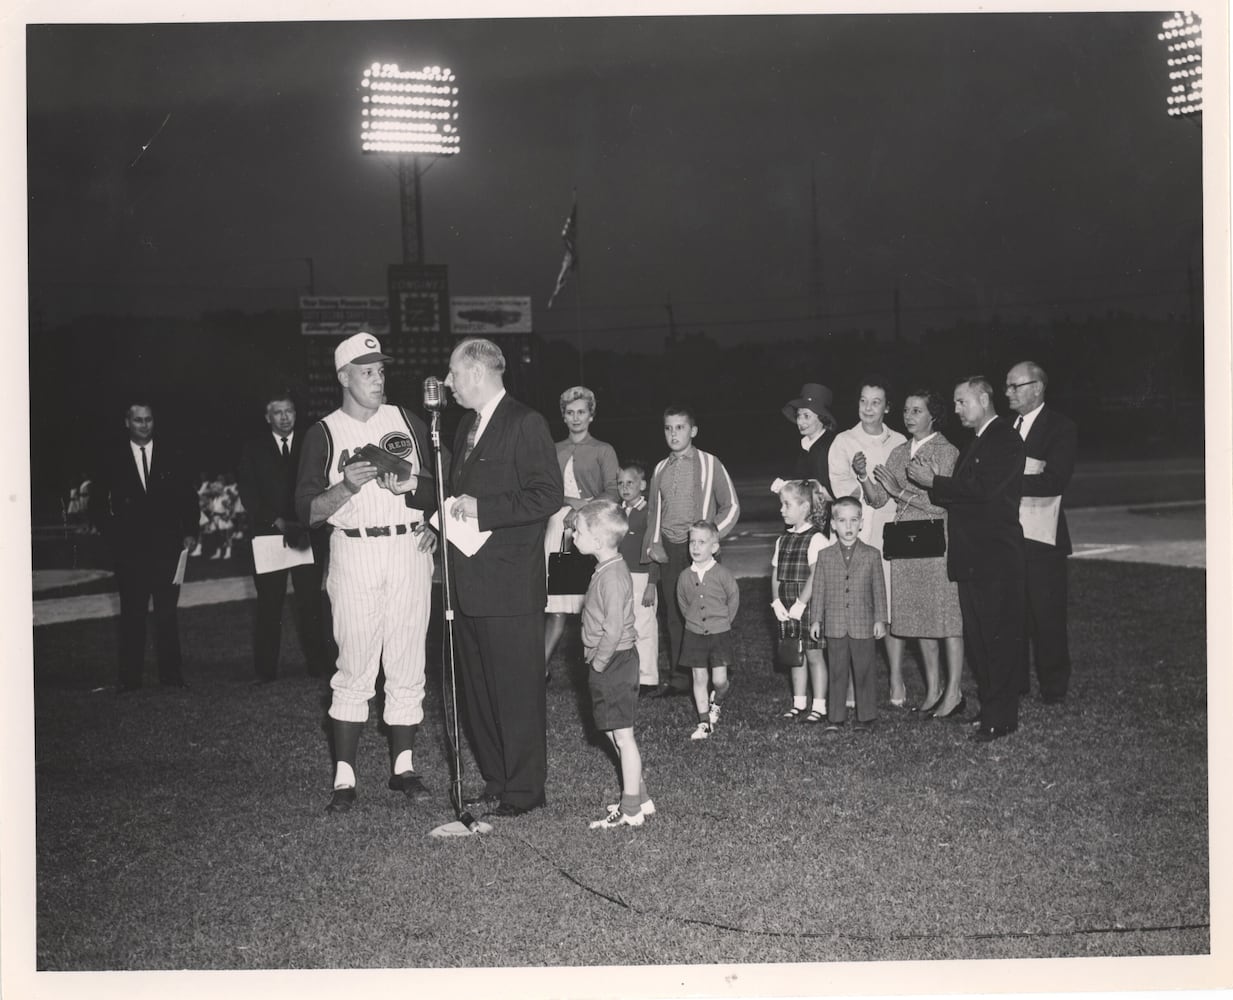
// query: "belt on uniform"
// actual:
[[379, 530]]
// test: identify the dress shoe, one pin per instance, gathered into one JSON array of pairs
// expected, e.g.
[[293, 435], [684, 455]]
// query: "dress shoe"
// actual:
[[410, 785], [862, 727], [341, 800], [648, 690], [961, 706], [987, 734], [926, 709], [481, 803], [507, 810]]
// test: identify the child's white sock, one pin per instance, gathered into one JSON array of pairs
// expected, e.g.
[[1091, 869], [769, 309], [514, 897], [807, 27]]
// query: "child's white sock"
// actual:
[[799, 700], [819, 705], [344, 776]]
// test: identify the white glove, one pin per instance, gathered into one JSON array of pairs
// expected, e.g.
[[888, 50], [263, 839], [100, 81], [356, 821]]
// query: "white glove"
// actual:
[[796, 611], [778, 485], [780, 611]]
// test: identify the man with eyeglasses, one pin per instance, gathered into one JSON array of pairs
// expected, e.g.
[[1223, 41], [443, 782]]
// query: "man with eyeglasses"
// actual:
[[1050, 442]]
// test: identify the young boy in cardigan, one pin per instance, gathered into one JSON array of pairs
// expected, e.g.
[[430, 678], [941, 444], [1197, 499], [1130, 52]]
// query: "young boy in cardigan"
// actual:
[[709, 599], [848, 606], [687, 486]]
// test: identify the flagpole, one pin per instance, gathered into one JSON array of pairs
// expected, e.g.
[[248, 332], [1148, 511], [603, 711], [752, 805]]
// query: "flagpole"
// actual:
[[578, 314]]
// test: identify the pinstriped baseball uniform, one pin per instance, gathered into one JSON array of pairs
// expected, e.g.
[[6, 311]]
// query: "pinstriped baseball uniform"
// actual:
[[379, 582]]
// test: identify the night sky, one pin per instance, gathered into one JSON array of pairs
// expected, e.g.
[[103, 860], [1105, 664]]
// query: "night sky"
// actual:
[[1013, 164]]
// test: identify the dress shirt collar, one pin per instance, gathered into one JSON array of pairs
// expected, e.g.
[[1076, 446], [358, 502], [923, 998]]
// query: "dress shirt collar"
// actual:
[[278, 439], [915, 446], [484, 413], [638, 504], [687, 453], [1028, 420], [136, 448], [700, 569]]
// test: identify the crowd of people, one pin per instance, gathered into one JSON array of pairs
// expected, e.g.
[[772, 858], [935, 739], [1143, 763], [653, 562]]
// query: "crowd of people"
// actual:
[[888, 538]]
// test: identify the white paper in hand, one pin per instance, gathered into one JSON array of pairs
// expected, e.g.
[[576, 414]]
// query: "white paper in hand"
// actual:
[[463, 533], [271, 553], [181, 566]]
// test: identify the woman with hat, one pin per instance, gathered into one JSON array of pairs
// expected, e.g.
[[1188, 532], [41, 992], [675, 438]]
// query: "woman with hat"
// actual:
[[811, 412]]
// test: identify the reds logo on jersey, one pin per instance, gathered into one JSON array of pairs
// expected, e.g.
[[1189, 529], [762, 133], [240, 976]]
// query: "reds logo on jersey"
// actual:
[[397, 444]]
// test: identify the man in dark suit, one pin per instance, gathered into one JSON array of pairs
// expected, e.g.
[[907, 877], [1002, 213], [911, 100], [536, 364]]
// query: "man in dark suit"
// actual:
[[266, 476], [144, 505], [1050, 441], [506, 479], [985, 551]]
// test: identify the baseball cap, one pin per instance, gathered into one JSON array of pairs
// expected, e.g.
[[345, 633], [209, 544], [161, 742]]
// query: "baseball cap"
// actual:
[[814, 397], [359, 349]]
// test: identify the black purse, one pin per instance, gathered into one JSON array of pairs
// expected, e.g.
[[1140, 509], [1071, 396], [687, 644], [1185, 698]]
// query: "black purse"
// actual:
[[914, 539], [790, 645], [569, 572]]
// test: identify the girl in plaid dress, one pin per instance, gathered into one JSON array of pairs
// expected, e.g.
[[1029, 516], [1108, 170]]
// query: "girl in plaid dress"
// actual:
[[806, 513]]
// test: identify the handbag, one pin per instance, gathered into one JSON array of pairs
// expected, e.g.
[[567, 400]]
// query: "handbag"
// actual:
[[569, 572], [913, 539], [790, 645]]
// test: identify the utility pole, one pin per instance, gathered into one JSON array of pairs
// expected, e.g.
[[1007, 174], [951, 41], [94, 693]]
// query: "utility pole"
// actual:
[[815, 252]]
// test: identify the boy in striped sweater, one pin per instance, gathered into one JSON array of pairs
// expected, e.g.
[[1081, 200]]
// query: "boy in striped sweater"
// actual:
[[689, 485]]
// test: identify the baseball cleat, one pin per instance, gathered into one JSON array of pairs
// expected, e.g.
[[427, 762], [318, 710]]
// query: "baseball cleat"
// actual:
[[410, 785]]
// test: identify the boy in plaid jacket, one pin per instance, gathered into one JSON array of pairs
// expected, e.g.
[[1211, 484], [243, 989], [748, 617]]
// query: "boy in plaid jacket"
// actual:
[[848, 606]]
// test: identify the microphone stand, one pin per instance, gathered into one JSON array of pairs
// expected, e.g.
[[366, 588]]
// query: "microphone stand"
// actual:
[[448, 672]]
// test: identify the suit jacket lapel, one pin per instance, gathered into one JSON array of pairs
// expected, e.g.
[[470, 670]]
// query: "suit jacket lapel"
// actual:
[[1037, 431]]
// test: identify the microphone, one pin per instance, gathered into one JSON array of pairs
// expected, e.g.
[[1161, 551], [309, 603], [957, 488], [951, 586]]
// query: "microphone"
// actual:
[[434, 398]]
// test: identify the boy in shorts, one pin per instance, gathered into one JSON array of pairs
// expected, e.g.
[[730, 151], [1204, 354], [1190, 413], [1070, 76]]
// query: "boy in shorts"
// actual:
[[708, 596], [608, 643]]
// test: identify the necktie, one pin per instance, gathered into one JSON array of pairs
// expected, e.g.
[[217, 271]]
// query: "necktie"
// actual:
[[471, 438], [286, 450], [145, 470], [1018, 424]]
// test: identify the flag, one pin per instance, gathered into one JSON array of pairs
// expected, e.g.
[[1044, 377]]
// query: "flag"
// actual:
[[569, 236]]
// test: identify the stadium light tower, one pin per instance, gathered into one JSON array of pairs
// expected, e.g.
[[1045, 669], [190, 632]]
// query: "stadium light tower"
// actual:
[[1183, 37], [409, 114]]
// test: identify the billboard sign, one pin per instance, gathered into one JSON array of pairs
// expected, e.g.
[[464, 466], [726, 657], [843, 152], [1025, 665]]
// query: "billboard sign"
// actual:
[[419, 299], [486, 315], [341, 316]]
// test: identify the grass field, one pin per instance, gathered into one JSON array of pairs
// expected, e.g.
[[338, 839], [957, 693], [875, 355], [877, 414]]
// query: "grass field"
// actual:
[[184, 829]]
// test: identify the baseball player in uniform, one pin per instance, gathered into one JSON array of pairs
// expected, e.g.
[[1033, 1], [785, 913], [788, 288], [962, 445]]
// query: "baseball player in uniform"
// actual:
[[380, 570]]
